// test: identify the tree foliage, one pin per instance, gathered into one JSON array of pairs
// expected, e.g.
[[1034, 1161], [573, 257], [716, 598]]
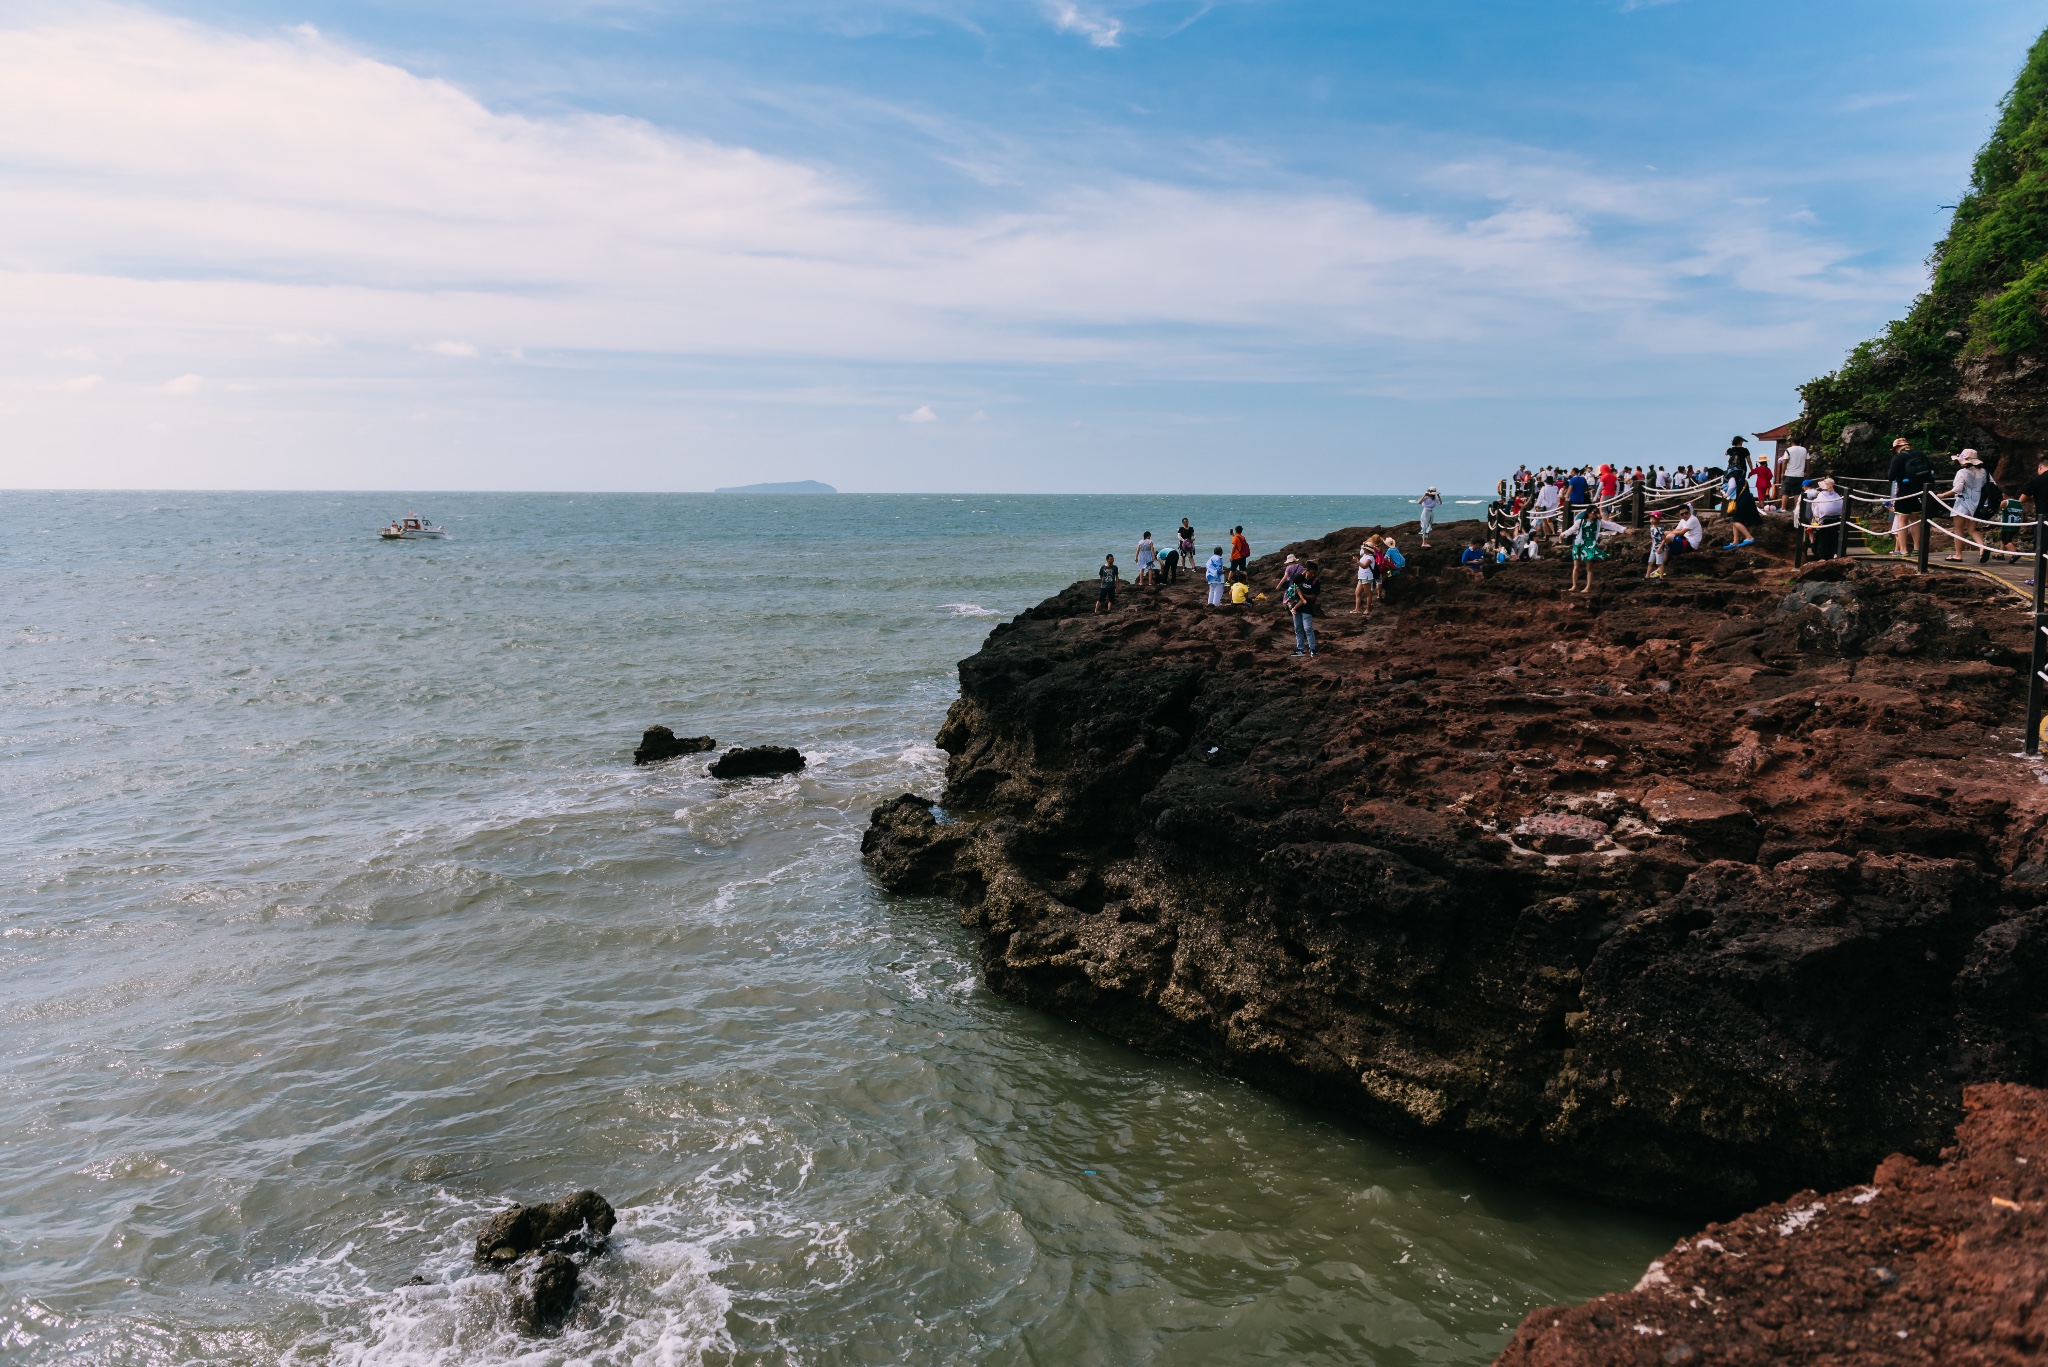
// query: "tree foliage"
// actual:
[[1988, 292]]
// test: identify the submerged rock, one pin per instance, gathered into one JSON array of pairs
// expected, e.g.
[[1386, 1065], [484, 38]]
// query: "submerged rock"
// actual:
[[747, 761], [545, 1293], [660, 743], [1680, 895], [1934, 1265]]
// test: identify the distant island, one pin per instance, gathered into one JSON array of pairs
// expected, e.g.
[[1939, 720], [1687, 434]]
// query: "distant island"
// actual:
[[795, 486]]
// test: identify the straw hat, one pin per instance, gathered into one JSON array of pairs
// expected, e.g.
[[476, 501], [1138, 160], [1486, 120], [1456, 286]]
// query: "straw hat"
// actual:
[[1967, 457], [1293, 560]]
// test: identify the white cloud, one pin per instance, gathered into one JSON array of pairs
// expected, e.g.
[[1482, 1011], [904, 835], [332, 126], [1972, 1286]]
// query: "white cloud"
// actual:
[[287, 191], [1097, 29], [77, 384], [184, 384], [76, 353], [922, 413]]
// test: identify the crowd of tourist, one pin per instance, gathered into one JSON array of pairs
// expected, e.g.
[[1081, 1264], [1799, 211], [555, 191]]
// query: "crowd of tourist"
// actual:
[[1575, 509]]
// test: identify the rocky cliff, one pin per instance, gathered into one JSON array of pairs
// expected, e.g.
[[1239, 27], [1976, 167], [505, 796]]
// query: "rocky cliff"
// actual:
[[1944, 1266], [1688, 894]]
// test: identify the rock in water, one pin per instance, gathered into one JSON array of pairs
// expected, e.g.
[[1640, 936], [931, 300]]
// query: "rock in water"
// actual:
[[546, 1293], [660, 743], [575, 1224], [747, 761], [1920, 1265]]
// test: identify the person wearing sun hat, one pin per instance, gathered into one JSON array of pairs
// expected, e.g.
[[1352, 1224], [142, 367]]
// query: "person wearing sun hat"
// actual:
[[1430, 501], [1966, 493]]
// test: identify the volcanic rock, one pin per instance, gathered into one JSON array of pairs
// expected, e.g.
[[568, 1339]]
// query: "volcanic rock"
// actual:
[[747, 761], [1937, 1265], [660, 743], [575, 1224], [1819, 906], [545, 1293]]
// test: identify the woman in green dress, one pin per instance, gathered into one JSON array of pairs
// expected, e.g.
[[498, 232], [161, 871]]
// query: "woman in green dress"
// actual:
[[1585, 542]]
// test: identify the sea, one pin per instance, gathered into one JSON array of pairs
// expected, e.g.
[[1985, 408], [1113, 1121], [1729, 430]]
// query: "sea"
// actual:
[[337, 916]]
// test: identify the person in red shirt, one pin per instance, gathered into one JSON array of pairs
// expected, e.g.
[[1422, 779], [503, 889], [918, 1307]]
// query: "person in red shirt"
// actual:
[[1763, 481], [1240, 550], [1609, 483]]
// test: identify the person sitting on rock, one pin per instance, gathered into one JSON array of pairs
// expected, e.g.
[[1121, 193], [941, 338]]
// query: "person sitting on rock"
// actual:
[[1473, 558], [1240, 590]]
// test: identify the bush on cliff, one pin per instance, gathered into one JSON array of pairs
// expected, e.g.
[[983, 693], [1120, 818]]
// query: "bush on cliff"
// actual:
[[1987, 296]]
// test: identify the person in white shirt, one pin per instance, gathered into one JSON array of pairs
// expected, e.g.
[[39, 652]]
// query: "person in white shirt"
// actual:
[[1966, 492], [1546, 500], [1431, 500], [1791, 474], [1823, 520], [1688, 534], [1216, 578]]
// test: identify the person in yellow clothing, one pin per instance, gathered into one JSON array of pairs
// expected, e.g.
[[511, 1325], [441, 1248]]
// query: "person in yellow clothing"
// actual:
[[1240, 590]]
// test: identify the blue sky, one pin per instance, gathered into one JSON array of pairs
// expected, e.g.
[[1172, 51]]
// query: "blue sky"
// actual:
[[1033, 246]]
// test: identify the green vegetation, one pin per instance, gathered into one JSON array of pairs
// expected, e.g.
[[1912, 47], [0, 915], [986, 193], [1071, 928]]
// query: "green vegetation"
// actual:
[[1989, 293]]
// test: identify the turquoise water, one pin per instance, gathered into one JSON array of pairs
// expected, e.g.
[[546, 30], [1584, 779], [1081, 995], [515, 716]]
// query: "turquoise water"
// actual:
[[336, 915]]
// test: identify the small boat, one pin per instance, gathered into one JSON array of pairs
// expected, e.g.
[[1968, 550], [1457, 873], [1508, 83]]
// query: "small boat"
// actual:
[[413, 527]]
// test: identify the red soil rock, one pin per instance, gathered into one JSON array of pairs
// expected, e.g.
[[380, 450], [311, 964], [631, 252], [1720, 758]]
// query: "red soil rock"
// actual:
[[1939, 1265], [1690, 893]]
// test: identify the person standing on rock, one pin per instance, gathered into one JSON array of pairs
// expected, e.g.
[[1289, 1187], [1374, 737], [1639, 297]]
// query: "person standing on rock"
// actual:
[[1430, 501], [1187, 544], [1105, 596], [1300, 590], [1240, 551], [1368, 571], [1586, 548], [1148, 557], [1216, 573]]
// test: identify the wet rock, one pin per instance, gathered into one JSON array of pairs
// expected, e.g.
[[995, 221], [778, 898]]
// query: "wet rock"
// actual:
[[545, 1293], [1919, 1265], [1809, 921], [575, 1224], [747, 761], [660, 743]]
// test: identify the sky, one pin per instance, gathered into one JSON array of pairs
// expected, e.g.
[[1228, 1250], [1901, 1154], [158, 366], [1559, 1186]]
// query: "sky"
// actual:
[[1202, 246]]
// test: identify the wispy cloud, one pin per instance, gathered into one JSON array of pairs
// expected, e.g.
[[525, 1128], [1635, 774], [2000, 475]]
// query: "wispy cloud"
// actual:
[[184, 384], [1100, 30], [305, 209]]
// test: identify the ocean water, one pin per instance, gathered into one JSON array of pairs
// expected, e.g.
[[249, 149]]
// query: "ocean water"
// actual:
[[336, 915]]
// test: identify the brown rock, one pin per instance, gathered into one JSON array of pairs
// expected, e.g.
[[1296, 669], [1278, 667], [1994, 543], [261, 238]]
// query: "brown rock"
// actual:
[[660, 743], [1793, 891], [1945, 1266]]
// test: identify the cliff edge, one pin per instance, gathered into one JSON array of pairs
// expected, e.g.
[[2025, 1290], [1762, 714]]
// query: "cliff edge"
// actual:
[[1688, 895]]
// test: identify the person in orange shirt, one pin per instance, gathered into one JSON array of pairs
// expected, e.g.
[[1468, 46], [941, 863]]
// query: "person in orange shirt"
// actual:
[[1240, 550]]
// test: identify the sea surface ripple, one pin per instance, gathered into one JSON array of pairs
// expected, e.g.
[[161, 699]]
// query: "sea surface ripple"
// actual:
[[336, 915]]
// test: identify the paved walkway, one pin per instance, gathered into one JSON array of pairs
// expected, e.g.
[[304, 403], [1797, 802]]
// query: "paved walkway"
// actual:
[[2013, 576]]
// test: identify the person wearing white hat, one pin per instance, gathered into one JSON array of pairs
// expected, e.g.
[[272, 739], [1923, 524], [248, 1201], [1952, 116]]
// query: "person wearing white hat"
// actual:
[[1966, 492], [1431, 500]]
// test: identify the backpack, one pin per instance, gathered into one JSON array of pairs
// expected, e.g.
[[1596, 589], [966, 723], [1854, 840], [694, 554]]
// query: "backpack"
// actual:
[[1918, 473]]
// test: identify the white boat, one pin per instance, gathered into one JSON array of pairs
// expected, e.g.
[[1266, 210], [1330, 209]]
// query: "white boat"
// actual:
[[413, 527]]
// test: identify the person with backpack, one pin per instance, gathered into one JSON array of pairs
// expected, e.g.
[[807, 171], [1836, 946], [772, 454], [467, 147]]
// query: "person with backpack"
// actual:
[[1911, 476]]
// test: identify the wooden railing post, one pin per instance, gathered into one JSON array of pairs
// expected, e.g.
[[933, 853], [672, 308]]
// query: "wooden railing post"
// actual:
[[1926, 527]]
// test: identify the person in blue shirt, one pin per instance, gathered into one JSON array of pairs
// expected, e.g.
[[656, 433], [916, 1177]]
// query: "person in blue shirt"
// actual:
[[1216, 578], [1473, 557]]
